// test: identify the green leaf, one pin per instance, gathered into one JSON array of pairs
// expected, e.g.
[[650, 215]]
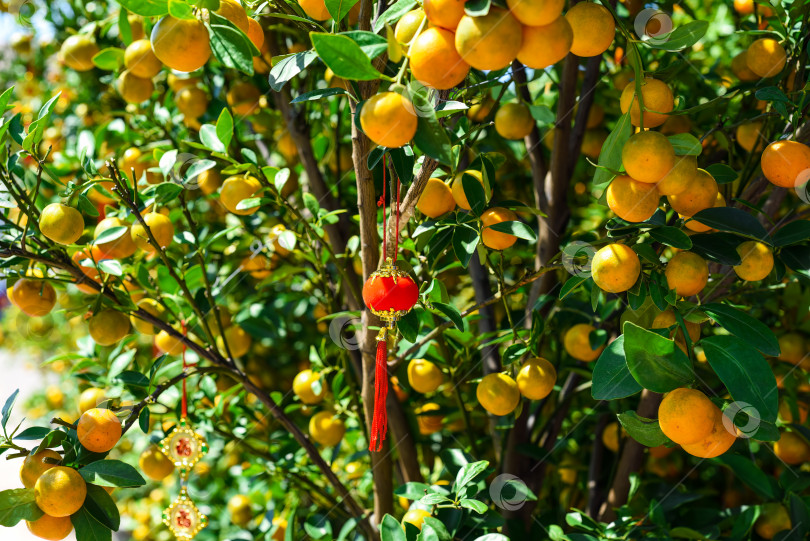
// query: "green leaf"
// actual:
[[147, 8], [452, 314], [18, 504], [411, 490], [475, 505], [467, 473], [645, 431], [733, 220], [656, 362], [110, 234], [210, 139], [571, 285], [110, 59], [344, 57], [474, 192], [9, 404], [225, 127], [319, 94], [682, 37], [231, 47], [685, 144], [465, 240], [671, 236], [746, 374], [88, 528], [611, 377], [339, 8], [391, 529], [719, 247], [373, 45], [143, 420], [179, 9], [722, 173], [431, 138], [393, 13], [101, 506], [611, 155], [434, 498], [792, 233], [744, 327], [772, 93], [752, 475], [288, 67], [111, 266], [112, 473], [518, 229], [33, 433]]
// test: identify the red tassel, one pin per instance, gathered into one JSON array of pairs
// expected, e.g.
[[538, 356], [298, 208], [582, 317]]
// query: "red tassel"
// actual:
[[379, 425]]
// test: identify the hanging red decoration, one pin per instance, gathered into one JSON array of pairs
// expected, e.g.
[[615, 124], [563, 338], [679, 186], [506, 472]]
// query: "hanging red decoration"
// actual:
[[390, 294]]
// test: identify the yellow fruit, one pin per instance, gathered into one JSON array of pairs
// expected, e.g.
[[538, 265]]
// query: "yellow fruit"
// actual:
[[489, 42], [632, 200], [766, 57], [535, 12], [676, 180], [234, 12], [50, 528], [786, 411], [244, 98], [444, 13], [134, 89], [716, 443], [749, 136], [739, 66], [181, 44], [281, 529], [98, 430], [239, 509], [497, 240], [407, 26], [658, 100], [648, 156], [140, 60], [117, 248], [513, 121], [34, 465], [615, 268], [687, 416], [209, 181], [255, 33], [168, 343], [459, 195], [60, 491], [791, 449], [774, 518], [536, 378], [77, 52], [236, 189], [498, 394], [192, 102], [239, 341], [90, 398], [757, 261], [792, 347], [326, 428], [424, 376], [131, 160], [388, 119], [152, 307], [700, 193], [61, 223], [161, 227], [436, 199], [34, 297], [315, 9], [687, 273], [154, 464], [593, 27], [786, 163], [415, 517], [305, 384], [611, 436], [577, 343], [592, 143], [544, 46], [428, 423], [434, 60], [108, 327]]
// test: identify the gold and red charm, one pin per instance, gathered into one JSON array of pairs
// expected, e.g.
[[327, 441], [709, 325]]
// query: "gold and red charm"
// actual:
[[184, 447], [183, 518], [389, 294]]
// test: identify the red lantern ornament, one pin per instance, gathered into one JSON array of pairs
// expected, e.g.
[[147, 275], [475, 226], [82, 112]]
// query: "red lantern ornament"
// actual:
[[390, 294]]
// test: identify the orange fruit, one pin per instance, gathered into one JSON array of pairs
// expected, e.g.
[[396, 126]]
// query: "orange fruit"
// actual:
[[766, 57], [513, 121], [700, 193], [154, 464], [786, 412], [746, 7], [209, 181], [255, 33], [489, 42], [303, 387], [615, 268], [415, 517], [234, 12], [687, 273], [434, 60], [792, 347], [140, 61], [161, 227], [667, 319], [77, 52], [611, 436], [428, 424], [240, 510], [407, 26], [694, 225], [60, 491], [593, 27], [239, 341], [592, 143], [90, 398], [757, 261], [658, 101], [61, 223], [536, 12], [791, 449], [192, 101], [498, 394], [444, 13], [326, 428], [749, 136], [236, 189], [181, 44], [243, 98], [739, 66], [773, 518], [676, 180], [153, 308], [108, 327], [316, 9], [577, 343], [648, 156], [98, 430], [786, 163], [544, 46], [389, 119], [436, 199], [536, 378], [631, 200], [497, 240], [458, 187], [687, 416], [168, 343], [120, 247], [424, 376], [134, 89], [34, 465], [716, 443], [50, 528], [34, 297]]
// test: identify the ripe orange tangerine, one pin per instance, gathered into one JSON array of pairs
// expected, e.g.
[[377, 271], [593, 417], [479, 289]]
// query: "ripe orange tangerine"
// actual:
[[388, 119], [434, 60]]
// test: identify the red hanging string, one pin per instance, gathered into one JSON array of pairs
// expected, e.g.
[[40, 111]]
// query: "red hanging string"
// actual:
[[185, 400]]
